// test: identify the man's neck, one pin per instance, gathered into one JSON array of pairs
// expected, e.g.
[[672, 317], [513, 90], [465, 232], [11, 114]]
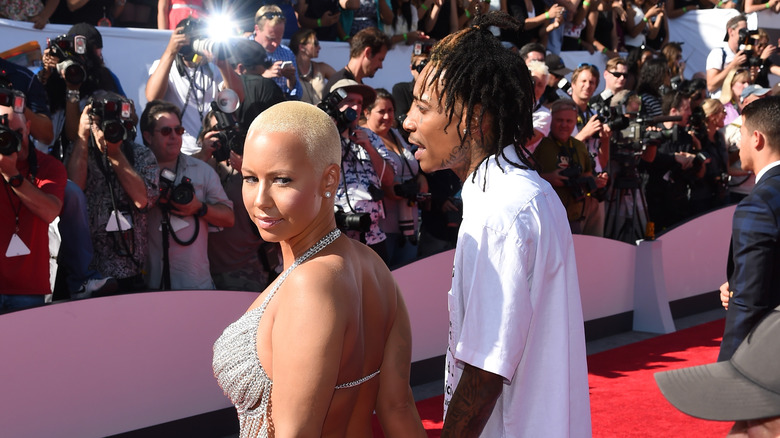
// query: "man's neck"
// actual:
[[353, 66], [582, 105]]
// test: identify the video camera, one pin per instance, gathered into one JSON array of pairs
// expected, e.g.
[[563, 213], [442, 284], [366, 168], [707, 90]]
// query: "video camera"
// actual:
[[352, 221], [330, 104], [10, 140], [200, 42], [170, 192], [72, 54], [229, 137], [116, 117]]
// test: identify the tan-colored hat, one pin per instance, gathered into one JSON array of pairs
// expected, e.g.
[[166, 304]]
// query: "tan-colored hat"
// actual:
[[352, 86]]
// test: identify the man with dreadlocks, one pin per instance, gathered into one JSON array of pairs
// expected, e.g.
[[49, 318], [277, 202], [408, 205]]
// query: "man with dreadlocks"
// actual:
[[516, 358]]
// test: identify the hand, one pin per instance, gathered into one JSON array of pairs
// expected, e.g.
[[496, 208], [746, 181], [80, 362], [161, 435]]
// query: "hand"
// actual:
[[188, 209], [739, 59], [652, 12], [685, 159], [49, 60], [329, 18], [725, 294], [177, 41], [361, 138], [602, 179], [39, 21], [273, 71], [768, 51], [555, 178], [448, 205], [8, 165], [85, 123], [209, 140], [556, 11], [236, 161], [591, 128], [288, 72], [416, 35]]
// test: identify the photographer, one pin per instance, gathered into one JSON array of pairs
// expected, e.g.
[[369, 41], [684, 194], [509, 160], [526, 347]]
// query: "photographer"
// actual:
[[712, 191], [672, 164], [119, 179], [191, 199], [249, 60], [34, 186], [238, 257], [721, 60], [194, 82], [72, 70], [565, 163], [366, 175]]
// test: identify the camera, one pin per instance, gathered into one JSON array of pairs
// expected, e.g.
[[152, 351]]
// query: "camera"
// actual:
[[747, 42], [330, 104], [352, 221], [200, 43], [71, 52], [115, 116], [229, 136], [170, 192], [579, 186], [10, 140], [408, 190]]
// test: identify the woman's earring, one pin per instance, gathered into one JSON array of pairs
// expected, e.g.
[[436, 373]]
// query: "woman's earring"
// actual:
[[327, 194]]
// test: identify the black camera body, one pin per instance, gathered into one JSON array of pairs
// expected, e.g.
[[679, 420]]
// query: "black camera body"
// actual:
[[115, 116], [200, 43], [747, 42], [408, 190], [330, 104], [229, 137], [10, 140], [579, 186], [183, 193], [71, 53], [352, 221]]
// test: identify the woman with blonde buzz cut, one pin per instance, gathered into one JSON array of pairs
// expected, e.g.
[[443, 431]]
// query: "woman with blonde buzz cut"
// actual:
[[329, 342]]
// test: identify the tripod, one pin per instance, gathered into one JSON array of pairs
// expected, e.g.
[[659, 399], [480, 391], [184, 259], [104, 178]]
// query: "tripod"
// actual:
[[626, 203]]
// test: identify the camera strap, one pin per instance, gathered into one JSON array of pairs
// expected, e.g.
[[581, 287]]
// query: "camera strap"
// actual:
[[199, 71]]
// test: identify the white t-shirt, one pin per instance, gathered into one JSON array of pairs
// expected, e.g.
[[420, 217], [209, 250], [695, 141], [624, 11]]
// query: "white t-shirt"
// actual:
[[638, 40], [515, 304], [716, 60], [204, 91]]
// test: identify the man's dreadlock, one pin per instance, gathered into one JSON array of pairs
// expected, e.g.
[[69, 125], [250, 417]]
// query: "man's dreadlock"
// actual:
[[472, 69]]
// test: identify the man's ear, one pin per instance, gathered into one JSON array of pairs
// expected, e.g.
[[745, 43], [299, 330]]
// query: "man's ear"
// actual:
[[147, 136], [757, 140], [367, 53]]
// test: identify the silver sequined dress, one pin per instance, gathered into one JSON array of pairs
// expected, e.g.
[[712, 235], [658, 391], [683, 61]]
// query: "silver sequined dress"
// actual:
[[238, 369]]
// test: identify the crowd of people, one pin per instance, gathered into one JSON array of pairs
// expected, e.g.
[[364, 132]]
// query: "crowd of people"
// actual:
[[653, 148]]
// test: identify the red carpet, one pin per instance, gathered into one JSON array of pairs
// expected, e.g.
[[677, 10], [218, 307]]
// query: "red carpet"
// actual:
[[624, 399]]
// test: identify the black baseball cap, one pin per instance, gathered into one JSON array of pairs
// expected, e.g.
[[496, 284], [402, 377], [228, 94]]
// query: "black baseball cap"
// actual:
[[555, 65], [94, 39]]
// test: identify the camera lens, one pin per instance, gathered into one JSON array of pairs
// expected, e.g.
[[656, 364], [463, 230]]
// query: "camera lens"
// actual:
[[114, 131], [9, 141]]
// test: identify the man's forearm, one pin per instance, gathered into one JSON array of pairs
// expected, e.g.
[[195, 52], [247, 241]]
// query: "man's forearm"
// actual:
[[472, 403]]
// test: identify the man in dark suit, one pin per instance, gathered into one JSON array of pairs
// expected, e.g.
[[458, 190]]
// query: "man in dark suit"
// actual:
[[753, 287]]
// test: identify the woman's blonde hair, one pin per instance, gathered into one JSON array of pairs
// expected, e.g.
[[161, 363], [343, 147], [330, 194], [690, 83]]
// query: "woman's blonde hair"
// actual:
[[316, 130], [711, 106], [726, 95]]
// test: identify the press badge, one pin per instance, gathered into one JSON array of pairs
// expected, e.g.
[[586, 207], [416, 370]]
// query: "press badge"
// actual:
[[16, 247], [123, 224], [177, 223]]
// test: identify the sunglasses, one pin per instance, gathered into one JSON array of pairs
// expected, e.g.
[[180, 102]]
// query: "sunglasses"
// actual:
[[585, 64], [270, 15], [617, 74], [167, 130]]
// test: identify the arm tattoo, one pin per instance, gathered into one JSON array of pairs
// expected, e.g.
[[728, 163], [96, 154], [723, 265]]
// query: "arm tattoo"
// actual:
[[472, 403]]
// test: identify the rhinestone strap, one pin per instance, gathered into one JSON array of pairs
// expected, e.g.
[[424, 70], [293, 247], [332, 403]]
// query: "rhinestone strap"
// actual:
[[325, 241], [358, 381]]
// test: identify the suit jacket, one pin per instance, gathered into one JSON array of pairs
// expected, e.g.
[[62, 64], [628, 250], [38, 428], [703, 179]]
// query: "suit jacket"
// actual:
[[754, 261]]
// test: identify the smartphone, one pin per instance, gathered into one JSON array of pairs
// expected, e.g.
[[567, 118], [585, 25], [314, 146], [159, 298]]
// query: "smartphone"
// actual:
[[285, 64]]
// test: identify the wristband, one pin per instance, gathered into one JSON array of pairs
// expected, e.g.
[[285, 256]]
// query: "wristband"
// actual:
[[604, 50], [547, 15], [406, 37], [685, 9], [204, 208], [16, 181], [425, 8], [644, 19], [319, 22], [767, 5], [586, 4], [73, 96], [719, 3], [467, 14]]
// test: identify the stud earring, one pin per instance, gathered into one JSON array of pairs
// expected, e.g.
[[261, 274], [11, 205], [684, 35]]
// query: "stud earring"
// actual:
[[327, 194]]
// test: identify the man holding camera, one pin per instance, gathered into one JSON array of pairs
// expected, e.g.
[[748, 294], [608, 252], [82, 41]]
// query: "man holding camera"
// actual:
[[119, 179], [722, 60], [34, 186], [672, 164], [565, 163], [191, 199], [269, 30], [365, 172], [194, 82], [250, 60]]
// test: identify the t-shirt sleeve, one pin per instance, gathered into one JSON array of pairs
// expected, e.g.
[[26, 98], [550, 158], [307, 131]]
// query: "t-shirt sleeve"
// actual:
[[497, 308], [715, 59], [52, 176]]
